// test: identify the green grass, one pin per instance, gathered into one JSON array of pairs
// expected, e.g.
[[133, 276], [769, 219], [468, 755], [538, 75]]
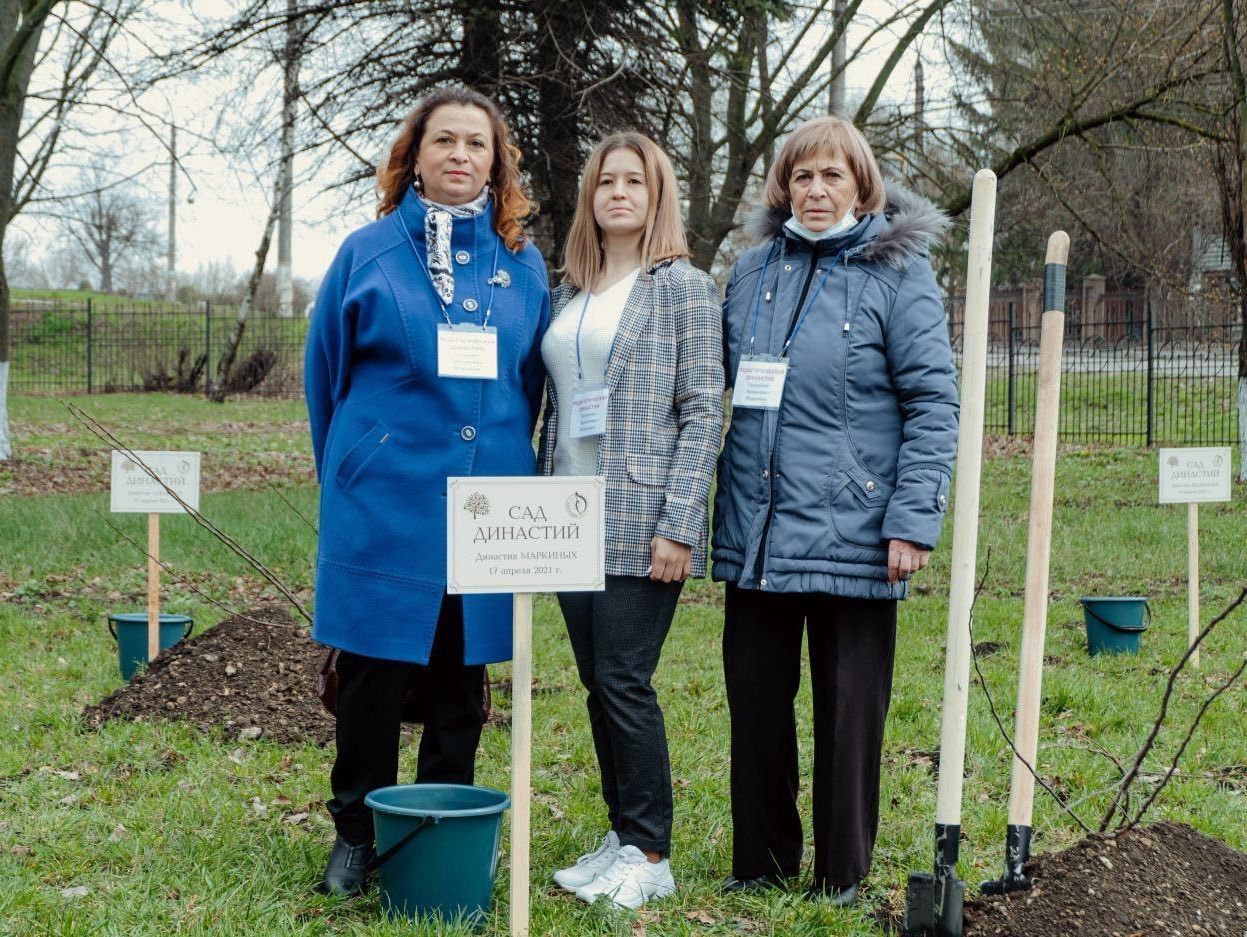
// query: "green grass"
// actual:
[[158, 823]]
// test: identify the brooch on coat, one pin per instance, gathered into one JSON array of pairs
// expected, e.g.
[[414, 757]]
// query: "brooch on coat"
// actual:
[[500, 278]]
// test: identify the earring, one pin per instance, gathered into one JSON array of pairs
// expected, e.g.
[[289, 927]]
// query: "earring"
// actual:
[[418, 183]]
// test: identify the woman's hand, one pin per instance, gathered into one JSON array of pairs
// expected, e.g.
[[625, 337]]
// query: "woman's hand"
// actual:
[[669, 561], [905, 559]]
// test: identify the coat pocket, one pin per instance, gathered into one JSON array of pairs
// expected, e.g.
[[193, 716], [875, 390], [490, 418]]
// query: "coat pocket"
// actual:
[[858, 502], [650, 470], [358, 455]]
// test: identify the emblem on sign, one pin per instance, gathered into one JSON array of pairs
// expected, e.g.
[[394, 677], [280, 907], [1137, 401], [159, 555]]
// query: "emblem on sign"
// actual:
[[577, 505], [476, 504]]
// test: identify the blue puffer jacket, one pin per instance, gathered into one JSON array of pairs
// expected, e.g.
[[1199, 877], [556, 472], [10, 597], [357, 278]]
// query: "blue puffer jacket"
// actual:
[[861, 449]]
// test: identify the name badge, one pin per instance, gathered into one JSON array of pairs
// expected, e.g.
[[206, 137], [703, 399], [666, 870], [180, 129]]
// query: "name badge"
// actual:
[[588, 413], [760, 382], [467, 350]]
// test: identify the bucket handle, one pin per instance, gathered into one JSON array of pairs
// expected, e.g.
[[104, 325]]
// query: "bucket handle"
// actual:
[[383, 858], [1147, 622], [190, 626]]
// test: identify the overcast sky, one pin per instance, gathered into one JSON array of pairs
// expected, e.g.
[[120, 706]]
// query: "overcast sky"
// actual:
[[226, 217]]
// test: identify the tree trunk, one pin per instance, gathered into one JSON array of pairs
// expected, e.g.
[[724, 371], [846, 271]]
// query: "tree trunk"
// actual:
[[557, 168], [1237, 213], [20, 30], [290, 87], [216, 386]]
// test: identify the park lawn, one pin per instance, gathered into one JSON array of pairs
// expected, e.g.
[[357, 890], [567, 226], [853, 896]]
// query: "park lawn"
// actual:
[[159, 822]]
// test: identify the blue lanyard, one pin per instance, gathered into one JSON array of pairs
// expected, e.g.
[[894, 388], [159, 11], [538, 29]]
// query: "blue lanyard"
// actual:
[[493, 280], [580, 371], [809, 303]]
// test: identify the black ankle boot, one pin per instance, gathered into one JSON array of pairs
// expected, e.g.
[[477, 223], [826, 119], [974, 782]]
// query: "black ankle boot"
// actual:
[[347, 871]]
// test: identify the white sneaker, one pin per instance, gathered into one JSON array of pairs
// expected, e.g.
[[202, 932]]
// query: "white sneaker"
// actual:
[[630, 881], [590, 865]]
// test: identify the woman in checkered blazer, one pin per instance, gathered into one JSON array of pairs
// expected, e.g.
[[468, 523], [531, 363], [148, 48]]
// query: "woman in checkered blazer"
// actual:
[[635, 393]]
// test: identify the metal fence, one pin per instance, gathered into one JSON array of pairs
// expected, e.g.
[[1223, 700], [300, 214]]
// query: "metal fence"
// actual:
[[1129, 375], [92, 347]]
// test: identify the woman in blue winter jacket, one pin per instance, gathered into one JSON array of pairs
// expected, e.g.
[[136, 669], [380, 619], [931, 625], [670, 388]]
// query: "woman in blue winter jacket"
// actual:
[[832, 487], [423, 362]]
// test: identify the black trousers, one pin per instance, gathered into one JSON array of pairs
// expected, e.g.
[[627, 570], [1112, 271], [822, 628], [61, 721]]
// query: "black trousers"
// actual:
[[617, 637], [371, 692], [852, 645]]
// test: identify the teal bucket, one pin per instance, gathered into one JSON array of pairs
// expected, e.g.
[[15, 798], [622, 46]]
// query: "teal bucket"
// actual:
[[1115, 623], [437, 849], [129, 629]]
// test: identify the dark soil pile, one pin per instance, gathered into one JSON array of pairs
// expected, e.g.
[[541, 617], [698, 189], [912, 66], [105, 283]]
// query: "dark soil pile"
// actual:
[[1166, 879], [252, 676]]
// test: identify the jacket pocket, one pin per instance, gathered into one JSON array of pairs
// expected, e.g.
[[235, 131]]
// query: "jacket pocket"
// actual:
[[648, 470], [358, 455], [858, 502]]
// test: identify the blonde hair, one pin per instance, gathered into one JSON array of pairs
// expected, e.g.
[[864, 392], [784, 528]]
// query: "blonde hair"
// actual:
[[833, 135], [664, 230]]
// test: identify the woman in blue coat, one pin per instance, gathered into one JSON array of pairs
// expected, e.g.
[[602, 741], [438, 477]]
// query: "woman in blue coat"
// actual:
[[423, 362], [833, 484]]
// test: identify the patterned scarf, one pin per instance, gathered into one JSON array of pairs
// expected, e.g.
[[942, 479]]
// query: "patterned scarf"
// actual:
[[437, 227]]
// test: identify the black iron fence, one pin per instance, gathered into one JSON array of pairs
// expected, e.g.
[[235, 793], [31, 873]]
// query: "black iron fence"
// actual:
[[1130, 376], [94, 347], [1126, 377]]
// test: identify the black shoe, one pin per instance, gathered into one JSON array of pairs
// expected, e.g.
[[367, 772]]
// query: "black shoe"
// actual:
[[835, 896], [733, 884], [347, 871]]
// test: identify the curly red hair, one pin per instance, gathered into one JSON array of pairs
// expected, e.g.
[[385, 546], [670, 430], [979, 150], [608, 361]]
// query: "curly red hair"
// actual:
[[396, 174]]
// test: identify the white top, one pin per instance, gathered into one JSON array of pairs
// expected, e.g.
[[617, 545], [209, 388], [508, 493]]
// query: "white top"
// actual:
[[558, 351]]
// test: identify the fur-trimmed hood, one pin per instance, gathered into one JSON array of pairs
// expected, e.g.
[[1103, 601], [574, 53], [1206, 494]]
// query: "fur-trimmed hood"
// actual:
[[910, 224]]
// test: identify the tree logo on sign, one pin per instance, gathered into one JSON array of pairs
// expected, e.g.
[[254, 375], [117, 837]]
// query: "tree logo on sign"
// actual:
[[476, 504]]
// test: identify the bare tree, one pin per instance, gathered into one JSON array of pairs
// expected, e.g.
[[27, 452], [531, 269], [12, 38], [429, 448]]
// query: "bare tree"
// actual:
[[65, 42], [111, 223]]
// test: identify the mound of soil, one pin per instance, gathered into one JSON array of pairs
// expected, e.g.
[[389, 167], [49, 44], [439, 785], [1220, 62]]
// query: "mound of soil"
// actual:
[[1165, 879], [253, 676]]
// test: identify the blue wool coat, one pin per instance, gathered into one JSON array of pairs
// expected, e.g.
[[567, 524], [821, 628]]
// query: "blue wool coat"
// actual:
[[861, 449], [387, 431]]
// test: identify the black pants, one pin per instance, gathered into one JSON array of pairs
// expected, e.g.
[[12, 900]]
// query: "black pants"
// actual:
[[371, 692], [852, 645], [617, 637]]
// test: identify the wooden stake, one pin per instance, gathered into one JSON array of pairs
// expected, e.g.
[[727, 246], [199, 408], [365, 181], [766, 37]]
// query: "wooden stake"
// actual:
[[935, 902], [966, 505], [1192, 595], [1039, 543], [153, 586], [521, 759]]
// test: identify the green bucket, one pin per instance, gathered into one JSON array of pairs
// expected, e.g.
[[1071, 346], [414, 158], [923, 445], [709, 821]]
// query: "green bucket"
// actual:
[[1115, 623], [437, 849], [129, 630]]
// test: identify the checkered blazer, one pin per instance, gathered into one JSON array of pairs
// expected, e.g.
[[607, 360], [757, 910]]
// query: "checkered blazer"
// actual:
[[664, 426]]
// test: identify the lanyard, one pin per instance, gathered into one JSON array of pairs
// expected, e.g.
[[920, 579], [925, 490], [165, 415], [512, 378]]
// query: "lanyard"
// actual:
[[580, 370], [809, 303], [493, 280]]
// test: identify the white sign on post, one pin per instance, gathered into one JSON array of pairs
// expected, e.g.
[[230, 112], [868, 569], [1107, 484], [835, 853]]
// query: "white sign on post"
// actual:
[[133, 491], [524, 535], [519, 534], [1192, 475]]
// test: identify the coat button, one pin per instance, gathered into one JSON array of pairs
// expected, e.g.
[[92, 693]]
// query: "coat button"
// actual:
[[870, 486], [943, 500], [470, 305], [788, 267], [766, 473], [462, 257], [762, 583], [468, 433]]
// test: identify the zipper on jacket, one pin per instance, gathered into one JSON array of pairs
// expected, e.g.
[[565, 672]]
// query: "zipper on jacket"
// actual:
[[760, 566]]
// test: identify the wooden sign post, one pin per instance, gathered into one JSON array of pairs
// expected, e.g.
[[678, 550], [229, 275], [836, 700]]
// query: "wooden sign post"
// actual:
[[141, 482], [1190, 476], [524, 535], [935, 901], [1038, 552]]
